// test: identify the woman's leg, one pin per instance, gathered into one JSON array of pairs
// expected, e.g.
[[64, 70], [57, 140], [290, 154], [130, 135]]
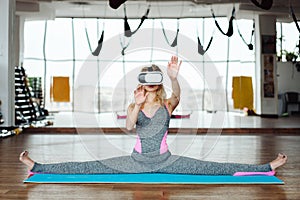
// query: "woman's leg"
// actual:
[[186, 165], [89, 167], [174, 164], [124, 164]]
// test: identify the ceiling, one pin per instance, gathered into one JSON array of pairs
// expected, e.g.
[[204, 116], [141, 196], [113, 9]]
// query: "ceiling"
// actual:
[[49, 9]]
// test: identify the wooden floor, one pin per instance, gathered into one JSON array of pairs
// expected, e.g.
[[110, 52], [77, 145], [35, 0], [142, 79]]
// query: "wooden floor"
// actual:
[[252, 148]]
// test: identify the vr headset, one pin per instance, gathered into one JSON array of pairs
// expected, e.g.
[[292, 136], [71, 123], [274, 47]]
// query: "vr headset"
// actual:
[[150, 78]]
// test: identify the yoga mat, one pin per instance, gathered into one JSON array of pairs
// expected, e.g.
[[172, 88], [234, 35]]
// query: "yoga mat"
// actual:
[[151, 179]]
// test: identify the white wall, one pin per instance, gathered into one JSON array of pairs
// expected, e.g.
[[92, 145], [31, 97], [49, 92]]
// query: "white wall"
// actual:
[[288, 77]]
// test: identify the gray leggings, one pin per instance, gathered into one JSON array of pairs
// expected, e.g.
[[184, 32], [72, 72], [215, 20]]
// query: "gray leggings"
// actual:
[[137, 163]]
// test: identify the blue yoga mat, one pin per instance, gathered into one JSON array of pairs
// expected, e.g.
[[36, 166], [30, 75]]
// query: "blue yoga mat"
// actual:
[[151, 179]]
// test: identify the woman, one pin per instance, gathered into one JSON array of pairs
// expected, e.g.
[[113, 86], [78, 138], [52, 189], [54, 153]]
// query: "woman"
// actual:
[[151, 115]]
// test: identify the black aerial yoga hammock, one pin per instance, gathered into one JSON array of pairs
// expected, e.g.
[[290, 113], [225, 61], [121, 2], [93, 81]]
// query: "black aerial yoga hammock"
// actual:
[[99, 47], [100, 42], [127, 30], [230, 28], [123, 50], [174, 43], [116, 3], [265, 4], [124, 46], [294, 18], [200, 47], [201, 50], [250, 45]]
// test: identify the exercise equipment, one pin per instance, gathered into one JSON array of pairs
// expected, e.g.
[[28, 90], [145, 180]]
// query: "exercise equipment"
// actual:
[[96, 52], [151, 178], [270, 173], [24, 108], [10, 132], [230, 27], [174, 43], [127, 30], [250, 45], [201, 50], [265, 4], [200, 46], [28, 101], [99, 47], [295, 19], [115, 4]]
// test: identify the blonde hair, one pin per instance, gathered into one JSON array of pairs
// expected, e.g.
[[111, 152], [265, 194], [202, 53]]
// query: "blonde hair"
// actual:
[[160, 92]]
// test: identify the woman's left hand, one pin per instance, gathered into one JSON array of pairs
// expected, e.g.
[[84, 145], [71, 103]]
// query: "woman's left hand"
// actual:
[[173, 67]]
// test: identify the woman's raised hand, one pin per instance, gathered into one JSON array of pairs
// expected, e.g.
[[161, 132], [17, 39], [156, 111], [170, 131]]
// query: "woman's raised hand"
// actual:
[[173, 67], [140, 95]]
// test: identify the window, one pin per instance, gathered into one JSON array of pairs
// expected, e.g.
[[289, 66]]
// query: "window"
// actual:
[[287, 38], [96, 81]]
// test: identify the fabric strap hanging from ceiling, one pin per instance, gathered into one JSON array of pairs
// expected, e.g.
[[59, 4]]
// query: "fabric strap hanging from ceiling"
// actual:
[[123, 45], [174, 43], [250, 45], [87, 37], [128, 32], [201, 50], [100, 42], [200, 47], [99, 47], [230, 27], [294, 18], [265, 4]]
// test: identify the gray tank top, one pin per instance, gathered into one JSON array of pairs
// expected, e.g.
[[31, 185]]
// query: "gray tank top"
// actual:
[[151, 130]]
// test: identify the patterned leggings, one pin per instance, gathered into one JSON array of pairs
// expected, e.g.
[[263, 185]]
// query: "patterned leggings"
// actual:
[[136, 163]]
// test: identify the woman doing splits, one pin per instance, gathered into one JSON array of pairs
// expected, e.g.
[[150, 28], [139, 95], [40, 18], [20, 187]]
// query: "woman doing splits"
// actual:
[[150, 114]]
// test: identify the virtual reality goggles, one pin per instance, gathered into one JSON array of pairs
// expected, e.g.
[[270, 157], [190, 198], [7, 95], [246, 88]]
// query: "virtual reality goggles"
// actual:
[[150, 78]]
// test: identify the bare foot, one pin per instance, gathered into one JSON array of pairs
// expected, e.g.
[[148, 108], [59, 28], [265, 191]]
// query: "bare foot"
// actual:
[[24, 158], [279, 161]]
